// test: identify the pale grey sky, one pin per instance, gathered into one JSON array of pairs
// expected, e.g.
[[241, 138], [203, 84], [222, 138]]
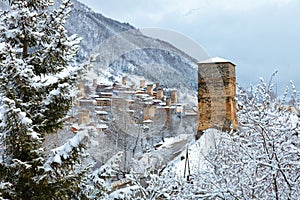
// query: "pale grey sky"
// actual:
[[259, 36]]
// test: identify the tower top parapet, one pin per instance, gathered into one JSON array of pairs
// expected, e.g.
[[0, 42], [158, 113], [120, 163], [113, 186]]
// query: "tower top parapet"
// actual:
[[215, 60]]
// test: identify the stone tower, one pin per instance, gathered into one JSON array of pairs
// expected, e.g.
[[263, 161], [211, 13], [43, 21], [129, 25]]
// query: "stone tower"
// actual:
[[174, 98], [81, 88], [216, 95], [150, 89], [159, 93], [124, 80], [83, 117], [142, 83]]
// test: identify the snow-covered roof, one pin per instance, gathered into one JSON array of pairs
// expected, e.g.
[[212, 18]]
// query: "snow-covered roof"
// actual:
[[147, 121], [100, 112], [140, 91], [86, 100], [106, 93], [215, 60], [190, 113], [101, 126], [164, 107], [94, 96], [75, 125], [116, 98], [148, 98], [108, 88], [103, 99], [141, 95], [148, 103], [128, 92], [162, 104]]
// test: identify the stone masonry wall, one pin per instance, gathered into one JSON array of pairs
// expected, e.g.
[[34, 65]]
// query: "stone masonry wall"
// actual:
[[216, 96]]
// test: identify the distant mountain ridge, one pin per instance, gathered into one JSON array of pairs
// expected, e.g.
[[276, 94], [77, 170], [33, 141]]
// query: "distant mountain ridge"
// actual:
[[93, 27], [161, 62], [165, 63]]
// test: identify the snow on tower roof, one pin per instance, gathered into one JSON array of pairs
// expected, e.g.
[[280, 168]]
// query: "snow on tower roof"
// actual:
[[215, 60]]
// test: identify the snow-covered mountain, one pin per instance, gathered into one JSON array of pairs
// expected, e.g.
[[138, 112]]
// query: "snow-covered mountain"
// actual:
[[151, 58]]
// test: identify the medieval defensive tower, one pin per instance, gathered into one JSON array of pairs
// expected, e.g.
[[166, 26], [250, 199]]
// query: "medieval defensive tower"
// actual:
[[216, 95]]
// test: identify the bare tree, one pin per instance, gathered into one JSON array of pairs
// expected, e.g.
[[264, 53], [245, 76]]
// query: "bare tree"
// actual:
[[259, 161]]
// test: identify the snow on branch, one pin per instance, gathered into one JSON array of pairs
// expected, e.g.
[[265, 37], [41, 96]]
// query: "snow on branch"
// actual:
[[67, 154]]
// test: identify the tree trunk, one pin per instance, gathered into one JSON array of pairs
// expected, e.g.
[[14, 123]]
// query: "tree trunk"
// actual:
[[275, 187], [25, 48]]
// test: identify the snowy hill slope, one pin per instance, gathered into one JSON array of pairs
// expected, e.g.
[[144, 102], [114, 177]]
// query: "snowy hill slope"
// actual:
[[152, 59], [160, 62], [93, 27], [197, 151]]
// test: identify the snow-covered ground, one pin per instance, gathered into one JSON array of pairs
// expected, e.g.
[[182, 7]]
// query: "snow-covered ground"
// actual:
[[172, 152], [196, 151], [163, 154]]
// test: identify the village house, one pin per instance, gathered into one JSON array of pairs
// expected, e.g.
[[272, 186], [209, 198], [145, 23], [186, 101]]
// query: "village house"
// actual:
[[216, 99], [151, 99]]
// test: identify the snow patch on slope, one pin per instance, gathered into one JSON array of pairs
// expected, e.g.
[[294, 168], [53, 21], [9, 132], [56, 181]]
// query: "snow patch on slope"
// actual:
[[197, 152]]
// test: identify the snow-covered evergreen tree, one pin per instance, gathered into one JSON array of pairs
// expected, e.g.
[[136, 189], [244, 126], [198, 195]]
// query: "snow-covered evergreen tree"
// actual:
[[36, 78]]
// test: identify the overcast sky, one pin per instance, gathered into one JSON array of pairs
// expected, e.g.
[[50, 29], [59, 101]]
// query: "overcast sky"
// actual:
[[259, 36]]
